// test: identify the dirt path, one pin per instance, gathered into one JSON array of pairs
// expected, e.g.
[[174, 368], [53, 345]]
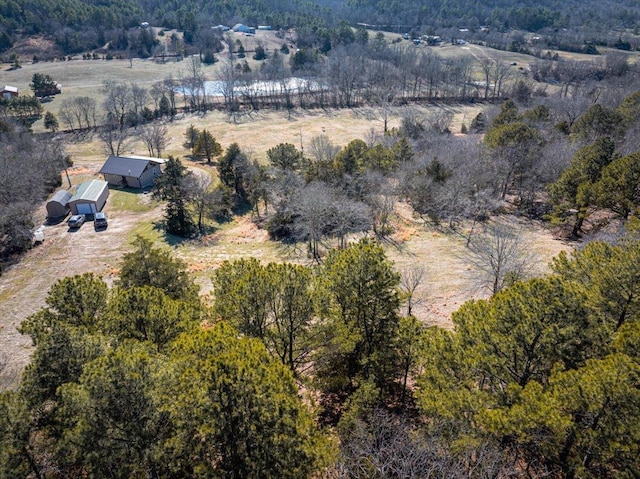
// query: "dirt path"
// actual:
[[24, 286]]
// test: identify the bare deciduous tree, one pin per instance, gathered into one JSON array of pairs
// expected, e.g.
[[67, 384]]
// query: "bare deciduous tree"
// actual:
[[156, 92], [382, 205], [155, 138], [228, 77], [313, 213], [385, 446], [350, 217], [321, 148], [410, 279], [118, 102], [500, 255], [194, 83], [196, 186], [80, 111], [440, 120], [139, 99], [115, 140]]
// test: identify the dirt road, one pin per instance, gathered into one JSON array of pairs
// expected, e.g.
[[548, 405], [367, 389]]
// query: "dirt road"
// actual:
[[24, 286]]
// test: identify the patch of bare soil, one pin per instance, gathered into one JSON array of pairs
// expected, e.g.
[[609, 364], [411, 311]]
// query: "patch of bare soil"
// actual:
[[246, 231], [38, 46], [24, 286]]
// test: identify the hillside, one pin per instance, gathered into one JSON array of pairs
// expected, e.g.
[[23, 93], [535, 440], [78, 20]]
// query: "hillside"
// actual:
[[79, 26], [363, 240]]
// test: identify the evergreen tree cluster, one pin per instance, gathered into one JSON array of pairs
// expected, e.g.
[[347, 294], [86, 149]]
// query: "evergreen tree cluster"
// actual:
[[540, 380], [138, 380]]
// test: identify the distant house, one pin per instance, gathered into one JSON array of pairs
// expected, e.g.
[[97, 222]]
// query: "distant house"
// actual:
[[9, 91], [222, 28], [90, 197], [241, 28], [58, 205], [431, 40], [264, 27], [133, 171]]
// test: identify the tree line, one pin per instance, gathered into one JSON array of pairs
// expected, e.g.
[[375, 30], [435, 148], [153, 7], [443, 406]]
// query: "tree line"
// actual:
[[561, 160], [31, 170], [354, 70], [81, 26]]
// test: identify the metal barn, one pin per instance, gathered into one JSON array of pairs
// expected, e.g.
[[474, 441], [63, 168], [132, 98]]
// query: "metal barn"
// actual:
[[58, 205], [90, 197], [131, 171]]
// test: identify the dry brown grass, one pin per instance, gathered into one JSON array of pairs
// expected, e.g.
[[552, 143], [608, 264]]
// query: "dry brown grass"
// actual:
[[85, 77], [259, 131], [23, 288]]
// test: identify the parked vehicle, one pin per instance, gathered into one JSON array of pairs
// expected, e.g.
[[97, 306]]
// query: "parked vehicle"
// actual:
[[100, 220], [76, 221]]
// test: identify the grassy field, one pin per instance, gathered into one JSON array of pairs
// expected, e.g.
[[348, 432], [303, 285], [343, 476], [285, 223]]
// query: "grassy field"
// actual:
[[85, 77], [259, 131], [24, 286]]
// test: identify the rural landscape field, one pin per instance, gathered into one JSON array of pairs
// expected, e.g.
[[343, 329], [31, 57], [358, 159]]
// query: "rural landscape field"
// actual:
[[364, 242], [449, 282]]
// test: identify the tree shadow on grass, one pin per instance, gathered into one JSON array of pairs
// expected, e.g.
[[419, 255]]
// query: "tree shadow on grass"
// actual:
[[201, 161], [147, 190], [389, 241], [208, 230], [200, 236], [241, 208], [170, 239]]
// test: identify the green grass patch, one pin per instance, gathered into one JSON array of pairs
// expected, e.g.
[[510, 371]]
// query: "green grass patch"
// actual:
[[123, 200], [147, 229]]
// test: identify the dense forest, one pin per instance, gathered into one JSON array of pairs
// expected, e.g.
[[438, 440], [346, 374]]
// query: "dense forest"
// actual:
[[41, 15], [79, 26]]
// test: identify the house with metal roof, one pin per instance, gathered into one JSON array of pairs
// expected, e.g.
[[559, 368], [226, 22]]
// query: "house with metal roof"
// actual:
[[133, 171], [89, 198], [58, 205]]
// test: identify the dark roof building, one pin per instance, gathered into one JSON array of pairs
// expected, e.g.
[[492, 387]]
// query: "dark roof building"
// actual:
[[133, 171]]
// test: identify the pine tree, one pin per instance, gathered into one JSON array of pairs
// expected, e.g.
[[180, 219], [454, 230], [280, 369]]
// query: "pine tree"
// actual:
[[207, 146], [170, 187], [50, 121], [362, 297], [191, 138], [575, 189]]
